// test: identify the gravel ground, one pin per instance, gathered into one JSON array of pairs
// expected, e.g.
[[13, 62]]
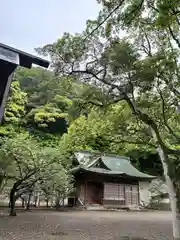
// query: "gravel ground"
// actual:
[[84, 225]]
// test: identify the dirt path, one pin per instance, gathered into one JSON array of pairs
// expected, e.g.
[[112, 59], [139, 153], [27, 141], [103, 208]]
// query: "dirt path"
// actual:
[[87, 226]]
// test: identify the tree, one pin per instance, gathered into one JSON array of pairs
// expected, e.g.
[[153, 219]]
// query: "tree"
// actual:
[[143, 73], [21, 152], [49, 107], [84, 133], [56, 184], [110, 130], [31, 164], [15, 107], [5, 168], [14, 111]]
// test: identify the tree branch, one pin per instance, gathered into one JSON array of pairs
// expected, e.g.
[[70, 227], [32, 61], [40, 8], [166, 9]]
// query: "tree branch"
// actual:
[[171, 88], [150, 4], [175, 13], [174, 37], [105, 19], [164, 117], [146, 119], [134, 142], [134, 12], [149, 51]]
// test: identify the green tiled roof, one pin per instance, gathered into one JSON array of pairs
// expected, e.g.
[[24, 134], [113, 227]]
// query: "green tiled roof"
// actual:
[[122, 164], [115, 165], [102, 171]]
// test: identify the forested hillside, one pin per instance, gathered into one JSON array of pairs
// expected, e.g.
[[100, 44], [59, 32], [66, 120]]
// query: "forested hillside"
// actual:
[[60, 112], [47, 118]]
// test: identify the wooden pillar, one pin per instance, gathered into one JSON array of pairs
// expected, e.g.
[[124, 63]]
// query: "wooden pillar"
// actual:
[[85, 192], [5, 96], [125, 195], [38, 200], [102, 200], [139, 201]]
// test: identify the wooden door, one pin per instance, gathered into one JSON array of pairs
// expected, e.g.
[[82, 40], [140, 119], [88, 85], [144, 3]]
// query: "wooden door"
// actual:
[[135, 195], [128, 193], [132, 195], [114, 193]]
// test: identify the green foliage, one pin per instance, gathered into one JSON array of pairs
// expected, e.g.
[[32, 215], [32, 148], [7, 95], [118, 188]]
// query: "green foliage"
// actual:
[[49, 106], [25, 153], [139, 71], [56, 180], [107, 93], [86, 133], [15, 107], [112, 131], [29, 164]]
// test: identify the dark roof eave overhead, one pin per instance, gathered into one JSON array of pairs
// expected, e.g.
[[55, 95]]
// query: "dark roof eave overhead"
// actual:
[[26, 59]]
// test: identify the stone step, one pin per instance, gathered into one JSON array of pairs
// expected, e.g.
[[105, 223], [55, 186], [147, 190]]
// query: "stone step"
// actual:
[[94, 207]]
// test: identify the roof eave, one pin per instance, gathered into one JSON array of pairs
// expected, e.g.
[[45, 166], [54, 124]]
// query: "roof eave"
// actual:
[[111, 173], [26, 59]]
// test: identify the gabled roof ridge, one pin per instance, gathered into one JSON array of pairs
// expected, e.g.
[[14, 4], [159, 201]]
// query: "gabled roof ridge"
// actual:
[[79, 150], [93, 162], [116, 156], [96, 160], [102, 154], [87, 151]]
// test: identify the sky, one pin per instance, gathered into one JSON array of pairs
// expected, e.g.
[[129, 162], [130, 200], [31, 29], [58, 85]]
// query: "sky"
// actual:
[[30, 24]]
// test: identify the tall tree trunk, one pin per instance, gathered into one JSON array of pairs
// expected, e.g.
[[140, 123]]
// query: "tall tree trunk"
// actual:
[[23, 202], [12, 202], [29, 201], [3, 181], [57, 200], [172, 189], [37, 200], [172, 194], [47, 202]]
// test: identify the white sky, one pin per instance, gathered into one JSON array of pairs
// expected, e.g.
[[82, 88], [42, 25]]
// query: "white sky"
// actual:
[[30, 24]]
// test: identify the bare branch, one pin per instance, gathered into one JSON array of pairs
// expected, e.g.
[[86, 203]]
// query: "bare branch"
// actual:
[[105, 19], [150, 4], [149, 51], [91, 62]]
